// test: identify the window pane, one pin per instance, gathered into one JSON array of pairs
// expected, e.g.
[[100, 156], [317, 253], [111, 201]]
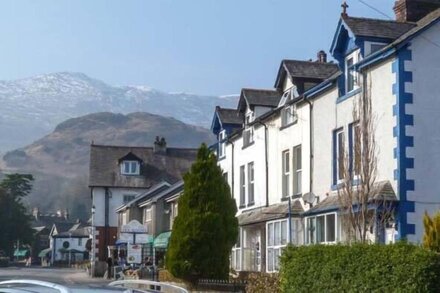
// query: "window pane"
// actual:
[[242, 186], [277, 232], [350, 75], [311, 230], [133, 167], [283, 232], [297, 188], [126, 167], [251, 182], [320, 229], [270, 234], [285, 173], [270, 259], [276, 254], [341, 153], [331, 228], [357, 149]]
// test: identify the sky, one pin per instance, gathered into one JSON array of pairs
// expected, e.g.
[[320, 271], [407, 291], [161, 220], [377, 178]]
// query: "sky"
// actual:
[[213, 47]]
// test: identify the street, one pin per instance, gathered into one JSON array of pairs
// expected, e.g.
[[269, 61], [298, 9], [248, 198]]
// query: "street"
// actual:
[[62, 276]]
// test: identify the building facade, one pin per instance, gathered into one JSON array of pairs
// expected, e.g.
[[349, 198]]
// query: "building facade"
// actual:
[[283, 150]]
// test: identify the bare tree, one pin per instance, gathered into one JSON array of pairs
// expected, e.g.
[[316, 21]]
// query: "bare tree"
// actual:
[[359, 191]]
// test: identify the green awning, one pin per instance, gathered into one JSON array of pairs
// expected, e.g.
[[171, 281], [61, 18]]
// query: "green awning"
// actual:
[[161, 241], [44, 252], [20, 252]]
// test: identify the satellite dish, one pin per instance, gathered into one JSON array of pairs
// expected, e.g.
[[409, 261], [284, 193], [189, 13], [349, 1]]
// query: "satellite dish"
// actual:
[[309, 197]]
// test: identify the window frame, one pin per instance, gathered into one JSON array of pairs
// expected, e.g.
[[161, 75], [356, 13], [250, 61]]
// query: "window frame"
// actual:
[[356, 160], [222, 144], [148, 215], [130, 170], [340, 154], [272, 245], [285, 173], [288, 115], [314, 234], [297, 170], [251, 183], [242, 186]]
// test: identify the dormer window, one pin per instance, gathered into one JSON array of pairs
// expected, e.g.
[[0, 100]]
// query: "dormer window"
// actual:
[[130, 168], [351, 81], [222, 144]]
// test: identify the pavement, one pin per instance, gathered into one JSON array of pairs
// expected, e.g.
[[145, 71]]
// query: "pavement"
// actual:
[[63, 276]]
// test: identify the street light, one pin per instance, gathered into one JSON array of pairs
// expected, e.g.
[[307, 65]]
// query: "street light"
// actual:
[[92, 258]]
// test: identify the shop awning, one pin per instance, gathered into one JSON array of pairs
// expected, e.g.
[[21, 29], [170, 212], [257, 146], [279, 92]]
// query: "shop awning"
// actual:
[[44, 252], [20, 252], [161, 241]]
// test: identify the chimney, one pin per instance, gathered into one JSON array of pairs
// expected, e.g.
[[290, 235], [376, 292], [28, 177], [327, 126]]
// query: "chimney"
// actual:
[[322, 57], [414, 10], [66, 214], [160, 146]]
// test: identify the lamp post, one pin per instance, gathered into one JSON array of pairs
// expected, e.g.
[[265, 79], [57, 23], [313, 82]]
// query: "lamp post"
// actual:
[[92, 258]]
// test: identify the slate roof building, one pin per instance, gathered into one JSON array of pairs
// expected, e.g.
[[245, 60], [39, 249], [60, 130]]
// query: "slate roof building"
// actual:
[[118, 174], [286, 151]]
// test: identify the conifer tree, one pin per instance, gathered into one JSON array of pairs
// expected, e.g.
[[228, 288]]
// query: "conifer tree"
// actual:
[[206, 227], [431, 238]]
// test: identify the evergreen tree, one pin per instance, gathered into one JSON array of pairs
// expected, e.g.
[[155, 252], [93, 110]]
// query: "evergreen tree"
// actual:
[[14, 218], [206, 227], [431, 238]]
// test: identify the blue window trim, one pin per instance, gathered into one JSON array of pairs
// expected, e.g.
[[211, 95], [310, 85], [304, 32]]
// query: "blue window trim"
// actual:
[[348, 95], [403, 142], [334, 159]]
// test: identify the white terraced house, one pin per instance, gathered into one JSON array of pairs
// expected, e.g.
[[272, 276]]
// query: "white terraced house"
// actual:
[[282, 149]]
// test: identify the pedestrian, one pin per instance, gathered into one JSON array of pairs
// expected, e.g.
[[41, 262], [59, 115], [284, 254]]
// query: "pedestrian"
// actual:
[[109, 267]]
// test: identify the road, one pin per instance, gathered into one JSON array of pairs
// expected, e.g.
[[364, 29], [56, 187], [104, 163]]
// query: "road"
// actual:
[[56, 275]]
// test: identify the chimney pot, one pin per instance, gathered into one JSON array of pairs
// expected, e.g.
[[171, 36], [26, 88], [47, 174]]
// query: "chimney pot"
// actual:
[[414, 10], [322, 57]]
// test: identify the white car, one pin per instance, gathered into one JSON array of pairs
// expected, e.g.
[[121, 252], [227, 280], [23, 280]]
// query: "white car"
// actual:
[[127, 286]]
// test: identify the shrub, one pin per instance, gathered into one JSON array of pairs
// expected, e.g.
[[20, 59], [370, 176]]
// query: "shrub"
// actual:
[[431, 238], [398, 267], [263, 283]]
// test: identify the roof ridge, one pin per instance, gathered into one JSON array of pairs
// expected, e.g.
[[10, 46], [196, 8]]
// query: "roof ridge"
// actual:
[[308, 61], [260, 89], [380, 19], [140, 147]]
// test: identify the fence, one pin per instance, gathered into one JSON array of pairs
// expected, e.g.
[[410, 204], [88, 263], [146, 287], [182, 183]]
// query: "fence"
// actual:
[[222, 285]]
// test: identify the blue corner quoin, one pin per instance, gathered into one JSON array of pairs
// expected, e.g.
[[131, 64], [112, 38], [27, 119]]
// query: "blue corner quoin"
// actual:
[[403, 141]]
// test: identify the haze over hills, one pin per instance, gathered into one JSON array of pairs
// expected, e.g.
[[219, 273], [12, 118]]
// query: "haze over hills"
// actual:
[[32, 107], [60, 160]]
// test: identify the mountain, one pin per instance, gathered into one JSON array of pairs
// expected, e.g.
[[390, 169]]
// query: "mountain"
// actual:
[[60, 160], [32, 107]]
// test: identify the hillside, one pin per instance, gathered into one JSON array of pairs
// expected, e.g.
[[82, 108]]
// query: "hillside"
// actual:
[[32, 107], [60, 160]]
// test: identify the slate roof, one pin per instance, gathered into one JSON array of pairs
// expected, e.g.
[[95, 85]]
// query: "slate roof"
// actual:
[[309, 69], [384, 191], [378, 28], [259, 97], [171, 191], [229, 116], [105, 171], [272, 212]]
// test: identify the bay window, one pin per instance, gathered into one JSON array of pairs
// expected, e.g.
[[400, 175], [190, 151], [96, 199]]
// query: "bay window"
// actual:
[[277, 235], [321, 229]]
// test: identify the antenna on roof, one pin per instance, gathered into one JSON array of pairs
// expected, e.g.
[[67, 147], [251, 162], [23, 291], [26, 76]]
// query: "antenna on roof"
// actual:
[[344, 6]]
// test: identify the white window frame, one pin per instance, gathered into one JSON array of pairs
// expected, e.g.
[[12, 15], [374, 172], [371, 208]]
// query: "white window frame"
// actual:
[[355, 57], [315, 217], [250, 183], [242, 182], [277, 248], [237, 253], [285, 173], [222, 144], [248, 132], [130, 168], [297, 170], [288, 115], [339, 179], [148, 215]]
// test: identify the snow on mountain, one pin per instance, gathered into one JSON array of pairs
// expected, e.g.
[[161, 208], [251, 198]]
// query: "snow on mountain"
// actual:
[[32, 107]]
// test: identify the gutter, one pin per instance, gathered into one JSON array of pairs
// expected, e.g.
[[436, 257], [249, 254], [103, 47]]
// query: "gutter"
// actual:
[[266, 159]]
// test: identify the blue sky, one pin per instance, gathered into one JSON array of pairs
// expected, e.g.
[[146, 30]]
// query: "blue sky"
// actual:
[[200, 46]]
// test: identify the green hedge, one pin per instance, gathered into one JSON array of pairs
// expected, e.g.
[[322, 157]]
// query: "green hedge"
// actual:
[[399, 267]]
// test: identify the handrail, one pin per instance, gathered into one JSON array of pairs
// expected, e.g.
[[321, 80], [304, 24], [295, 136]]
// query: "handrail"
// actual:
[[61, 288], [148, 282]]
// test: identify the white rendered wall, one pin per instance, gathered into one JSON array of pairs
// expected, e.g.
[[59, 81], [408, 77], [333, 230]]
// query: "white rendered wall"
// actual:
[[116, 199], [425, 67], [73, 244]]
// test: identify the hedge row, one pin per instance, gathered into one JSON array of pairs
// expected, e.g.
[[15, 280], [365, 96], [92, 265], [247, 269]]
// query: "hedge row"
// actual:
[[399, 267]]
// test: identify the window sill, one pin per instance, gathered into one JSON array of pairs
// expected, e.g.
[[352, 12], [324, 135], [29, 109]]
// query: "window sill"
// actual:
[[287, 125], [348, 95], [247, 145], [242, 206]]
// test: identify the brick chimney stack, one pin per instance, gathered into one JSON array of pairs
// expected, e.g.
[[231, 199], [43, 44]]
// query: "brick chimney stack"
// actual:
[[160, 146], [414, 10], [322, 57]]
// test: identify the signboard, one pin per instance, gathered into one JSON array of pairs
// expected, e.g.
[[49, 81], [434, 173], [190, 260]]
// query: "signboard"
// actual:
[[133, 227], [134, 254]]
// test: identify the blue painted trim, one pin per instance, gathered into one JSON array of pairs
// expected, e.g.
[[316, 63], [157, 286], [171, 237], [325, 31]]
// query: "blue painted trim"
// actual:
[[334, 168], [403, 142], [348, 95]]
